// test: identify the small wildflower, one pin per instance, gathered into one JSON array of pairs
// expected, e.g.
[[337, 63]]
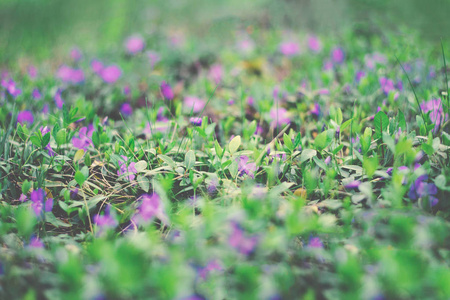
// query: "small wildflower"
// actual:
[[196, 121], [240, 241], [126, 109], [25, 116], [166, 91], [124, 169], [134, 44], [36, 94], [83, 141], [314, 44], [110, 74], [289, 49], [193, 104], [337, 55]]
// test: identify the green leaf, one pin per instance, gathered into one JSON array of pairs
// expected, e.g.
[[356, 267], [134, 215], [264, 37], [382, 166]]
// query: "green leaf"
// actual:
[[143, 182], [441, 183], [298, 140], [61, 137], [401, 120], [307, 154], [219, 150], [381, 122], [288, 142], [78, 155], [234, 144], [189, 159], [323, 139], [46, 139], [167, 160], [427, 149], [346, 124], [26, 185], [141, 166], [35, 140], [79, 178]]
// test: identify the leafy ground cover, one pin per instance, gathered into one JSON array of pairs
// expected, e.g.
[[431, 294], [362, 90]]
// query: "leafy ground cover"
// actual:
[[284, 165]]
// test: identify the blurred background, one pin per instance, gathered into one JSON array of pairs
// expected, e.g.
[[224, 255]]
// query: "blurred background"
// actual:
[[40, 29]]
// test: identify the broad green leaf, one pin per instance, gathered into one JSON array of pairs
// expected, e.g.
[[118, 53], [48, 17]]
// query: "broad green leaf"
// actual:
[[234, 144], [141, 166], [79, 178], [288, 142], [307, 154], [219, 150], [144, 183], [381, 122], [167, 160], [189, 159], [78, 155]]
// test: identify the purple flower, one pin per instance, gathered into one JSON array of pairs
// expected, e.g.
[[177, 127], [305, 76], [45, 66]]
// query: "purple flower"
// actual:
[[84, 138], [76, 54], [196, 121], [124, 169], [151, 206], [240, 241], [353, 185], [153, 58], [289, 48], [70, 75], [106, 220], [11, 87], [314, 43], [134, 44], [316, 110], [35, 242], [315, 242], [327, 65], [387, 85], [327, 160], [97, 66], [210, 267], [166, 91], [22, 198], [58, 99], [36, 94], [244, 167], [359, 76], [420, 188], [110, 74], [279, 116], [25, 116], [337, 55], [126, 109], [193, 104], [246, 45], [436, 110], [126, 90], [216, 73], [44, 131], [37, 202], [32, 72]]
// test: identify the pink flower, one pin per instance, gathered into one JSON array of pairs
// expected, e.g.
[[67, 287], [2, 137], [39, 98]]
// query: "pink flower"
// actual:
[[32, 72], [289, 48], [70, 75], [153, 58], [97, 66], [314, 43], [337, 55], [151, 207], [216, 73], [110, 74], [76, 54], [166, 91], [58, 99], [126, 109], [84, 138], [279, 116], [193, 104], [11, 87], [240, 241], [36, 94], [134, 44]]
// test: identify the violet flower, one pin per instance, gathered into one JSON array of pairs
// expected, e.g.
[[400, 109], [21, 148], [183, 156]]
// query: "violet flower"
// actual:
[[37, 202], [337, 55], [110, 74], [420, 189], [314, 43], [151, 207], [70, 75], [32, 72], [134, 44], [58, 99], [35, 242], [436, 110], [124, 169], [315, 242], [243, 243], [153, 58], [106, 220], [11, 87], [76, 54], [25, 116], [97, 66], [83, 141], [279, 116], [196, 121], [212, 265], [289, 49], [353, 185], [216, 73], [36, 94], [193, 104], [126, 109], [316, 111], [244, 167], [166, 91]]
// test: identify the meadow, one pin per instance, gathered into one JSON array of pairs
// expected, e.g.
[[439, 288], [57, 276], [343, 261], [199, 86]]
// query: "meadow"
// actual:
[[246, 159]]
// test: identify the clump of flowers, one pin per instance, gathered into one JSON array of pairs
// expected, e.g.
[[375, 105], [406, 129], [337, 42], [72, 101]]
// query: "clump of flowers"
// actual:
[[244, 167], [110, 74], [70, 75], [289, 48], [240, 241], [193, 104], [279, 116], [11, 87], [420, 188], [37, 202], [166, 91], [314, 43], [151, 206], [25, 116], [337, 55], [105, 221]]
